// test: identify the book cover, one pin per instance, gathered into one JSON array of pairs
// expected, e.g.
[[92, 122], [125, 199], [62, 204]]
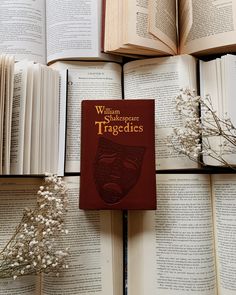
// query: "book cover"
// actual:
[[117, 155]]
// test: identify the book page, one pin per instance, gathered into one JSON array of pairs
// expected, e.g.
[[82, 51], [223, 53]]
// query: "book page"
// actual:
[[229, 86], [185, 19], [162, 21], [28, 119], [86, 81], [62, 122], [213, 25], [2, 106], [18, 117], [210, 84], [54, 122], [22, 32], [161, 79], [36, 122], [43, 119], [136, 30], [73, 29], [171, 250], [8, 114], [48, 116], [90, 242], [224, 204], [49, 119], [15, 195]]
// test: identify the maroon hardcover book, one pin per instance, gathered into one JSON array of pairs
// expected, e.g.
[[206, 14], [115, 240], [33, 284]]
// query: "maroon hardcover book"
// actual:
[[117, 155]]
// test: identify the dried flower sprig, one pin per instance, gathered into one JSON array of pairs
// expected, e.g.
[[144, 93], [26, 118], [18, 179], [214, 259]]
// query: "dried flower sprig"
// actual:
[[32, 248], [201, 127]]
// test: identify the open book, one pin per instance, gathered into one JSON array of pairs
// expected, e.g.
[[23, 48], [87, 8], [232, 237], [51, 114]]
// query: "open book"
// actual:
[[44, 31], [31, 137], [188, 245], [94, 239], [217, 78], [157, 78], [160, 27]]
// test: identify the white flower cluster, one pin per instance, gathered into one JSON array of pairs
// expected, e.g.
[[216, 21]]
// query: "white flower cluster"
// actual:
[[201, 123], [188, 137], [32, 248]]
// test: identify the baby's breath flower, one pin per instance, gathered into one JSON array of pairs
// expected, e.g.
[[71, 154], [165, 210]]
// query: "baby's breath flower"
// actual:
[[201, 123], [32, 248]]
